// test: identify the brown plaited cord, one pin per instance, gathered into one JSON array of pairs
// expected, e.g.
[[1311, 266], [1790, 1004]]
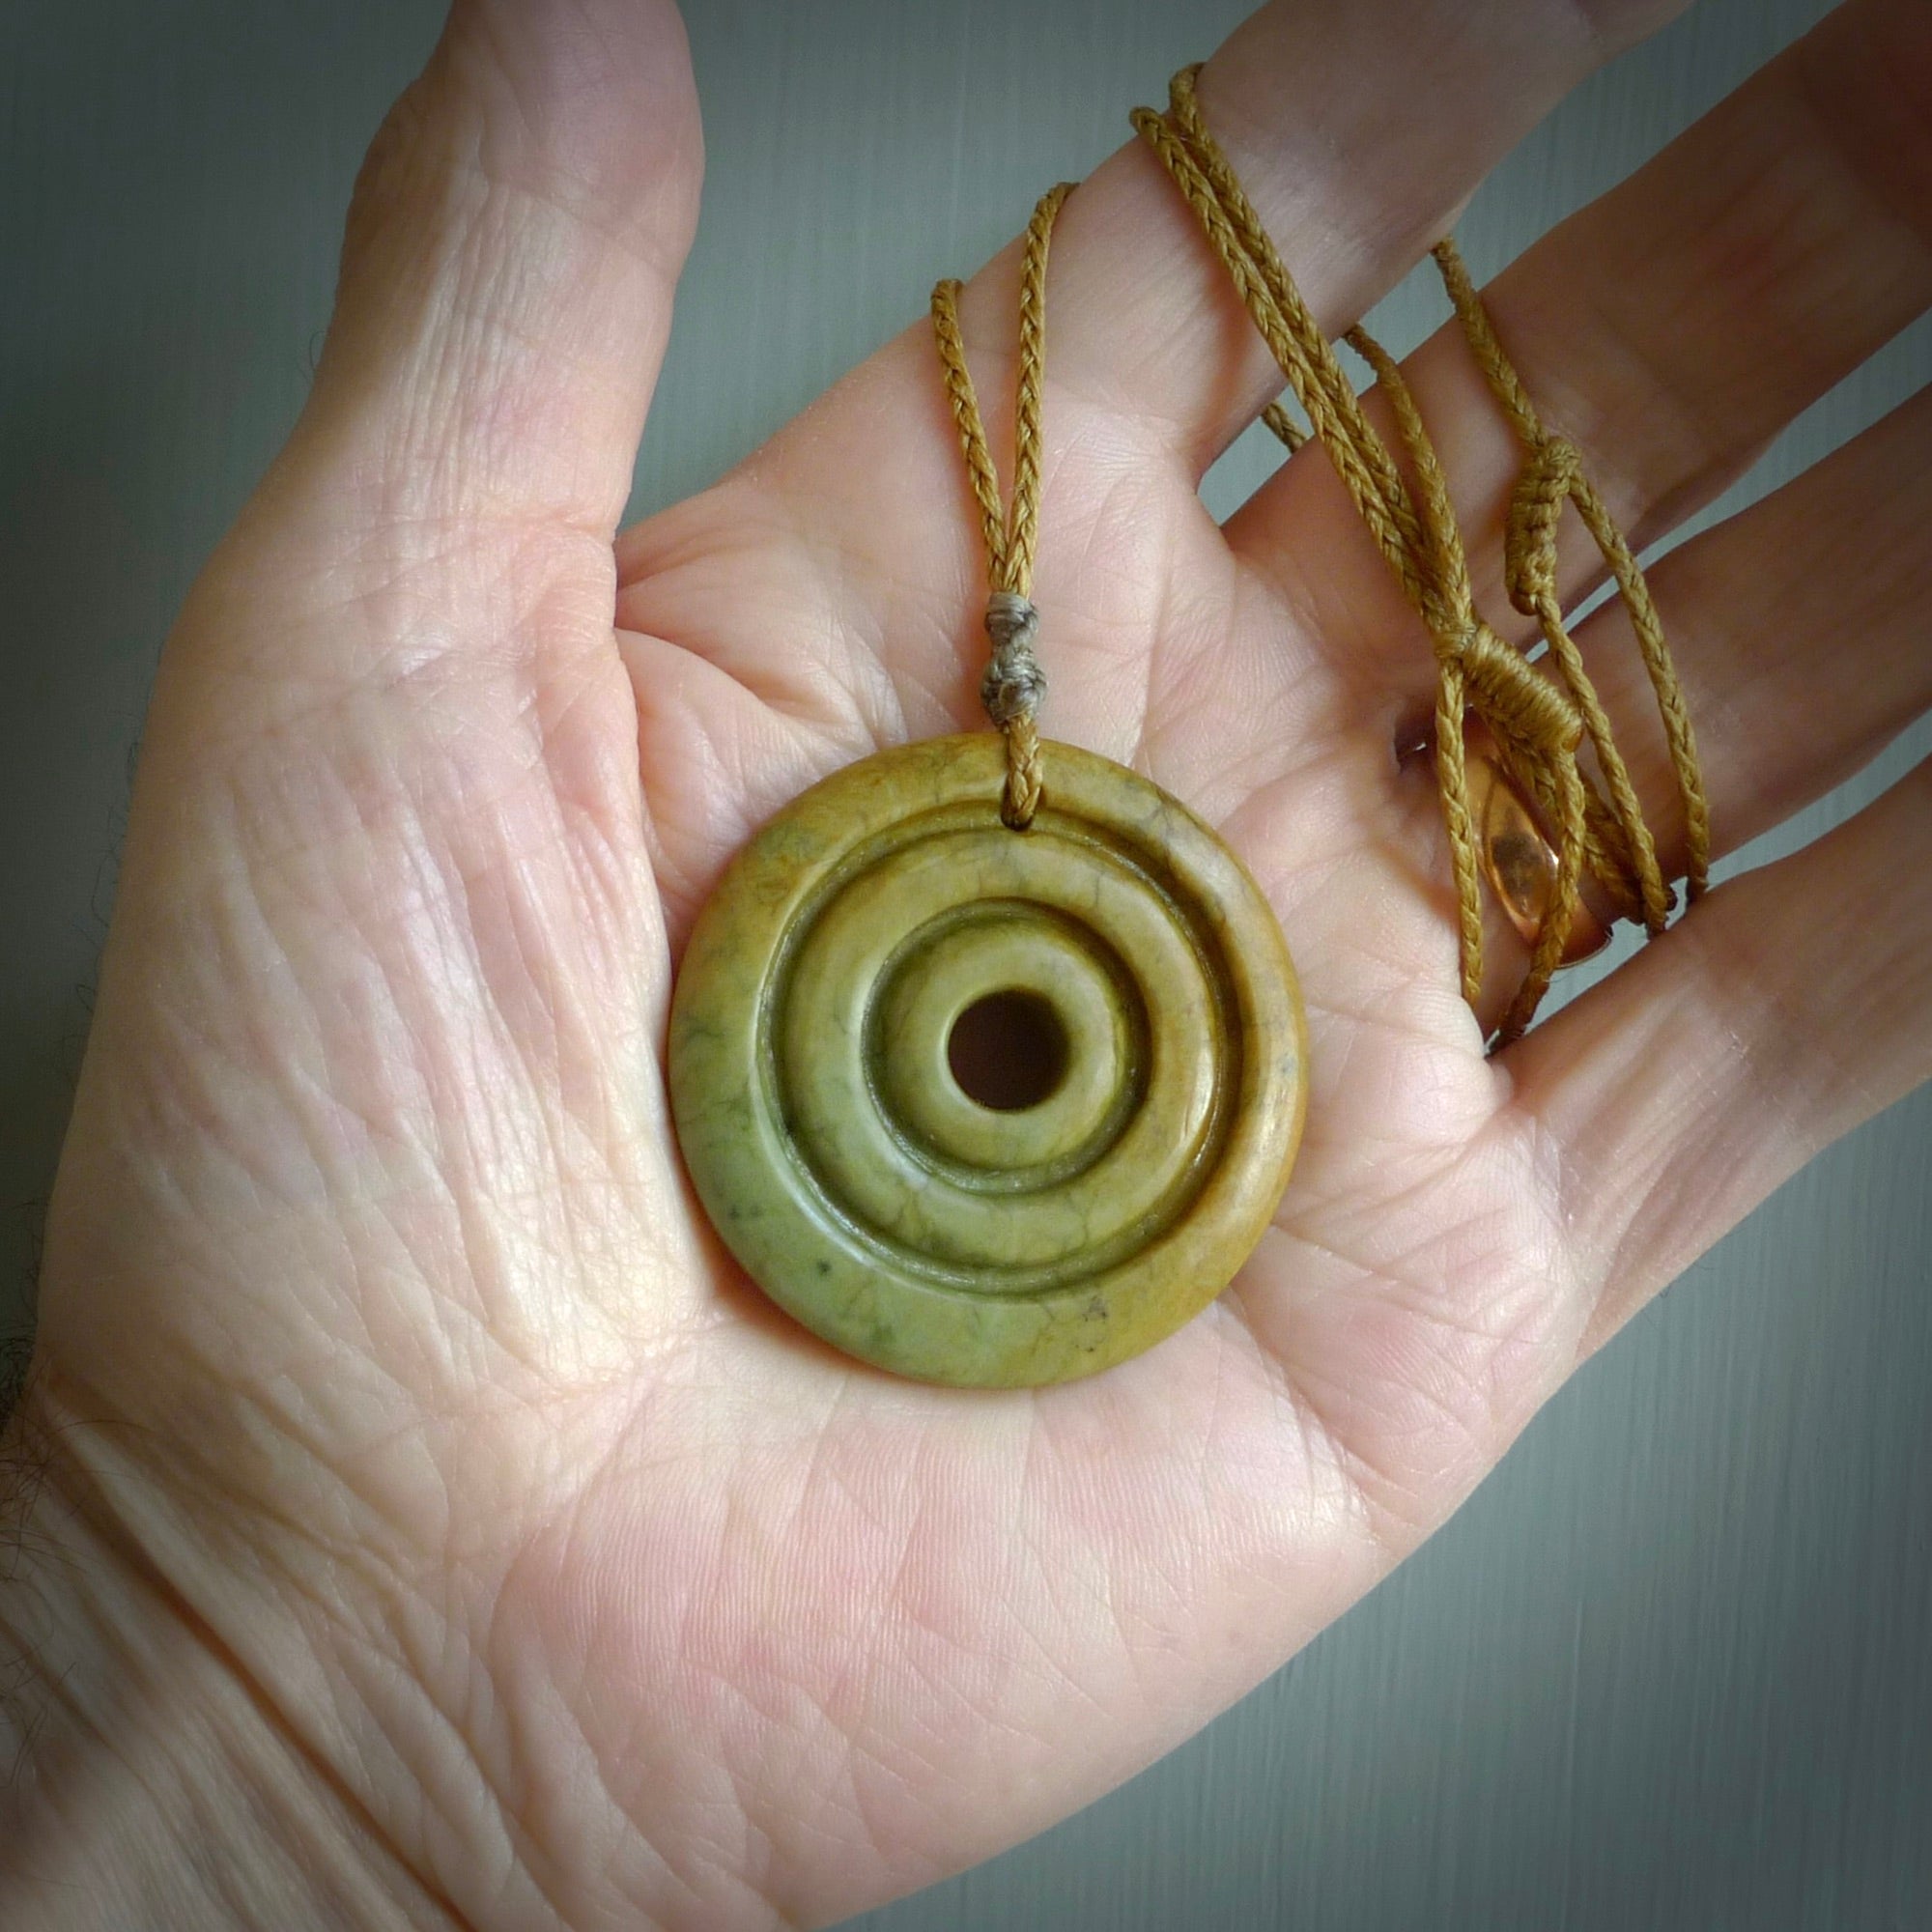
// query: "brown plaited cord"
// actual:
[[1014, 684], [1539, 722]]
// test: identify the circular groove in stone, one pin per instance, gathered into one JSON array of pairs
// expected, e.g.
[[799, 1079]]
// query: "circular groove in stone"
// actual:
[[839, 1159]]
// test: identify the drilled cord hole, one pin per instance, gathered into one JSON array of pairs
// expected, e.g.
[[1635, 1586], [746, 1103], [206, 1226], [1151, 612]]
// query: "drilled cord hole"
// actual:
[[1009, 1051]]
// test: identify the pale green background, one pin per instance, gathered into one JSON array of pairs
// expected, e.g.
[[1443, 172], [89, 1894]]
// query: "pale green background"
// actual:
[[1670, 1669]]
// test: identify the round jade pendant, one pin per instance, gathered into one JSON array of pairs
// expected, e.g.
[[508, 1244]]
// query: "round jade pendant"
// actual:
[[983, 1106]]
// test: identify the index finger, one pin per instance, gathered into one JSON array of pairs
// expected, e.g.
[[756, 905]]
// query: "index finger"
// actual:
[[1360, 130]]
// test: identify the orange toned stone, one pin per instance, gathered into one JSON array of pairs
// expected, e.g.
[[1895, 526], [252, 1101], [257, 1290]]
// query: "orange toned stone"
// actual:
[[1519, 861]]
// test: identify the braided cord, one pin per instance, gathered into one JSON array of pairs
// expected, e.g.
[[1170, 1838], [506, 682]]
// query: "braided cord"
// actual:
[[1538, 720], [1014, 684]]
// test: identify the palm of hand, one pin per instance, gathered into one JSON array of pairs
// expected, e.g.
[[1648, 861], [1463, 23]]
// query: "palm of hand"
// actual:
[[437, 1399]]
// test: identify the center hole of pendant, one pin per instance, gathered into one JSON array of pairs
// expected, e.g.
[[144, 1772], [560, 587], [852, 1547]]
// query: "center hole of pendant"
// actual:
[[1008, 1051]]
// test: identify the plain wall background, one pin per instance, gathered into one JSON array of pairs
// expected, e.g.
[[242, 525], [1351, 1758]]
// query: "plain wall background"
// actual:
[[1670, 1669]]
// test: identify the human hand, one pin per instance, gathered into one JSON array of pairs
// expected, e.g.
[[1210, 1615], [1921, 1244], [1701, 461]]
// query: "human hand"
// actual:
[[412, 1422]]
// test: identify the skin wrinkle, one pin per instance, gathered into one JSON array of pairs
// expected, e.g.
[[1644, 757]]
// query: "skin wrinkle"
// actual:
[[1293, 191], [1877, 129], [486, 1730], [1385, 1269], [1742, 242], [1635, 1210], [1422, 1296], [748, 1770], [410, 456], [1389, 1506], [1308, 873], [498, 999], [1065, 443], [1317, 1428], [1649, 487], [1352, 1139], [1091, 523], [794, 684], [155, 1583], [1854, 584], [1301, 700], [1642, 1229], [1528, 321], [508, 1785], [462, 173], [1442, 1313], [1268, 1367], [437, 1757], [881, 1816], [1110, 533], [1335, 1028], [549, 1054], [1168, 1582], [1357, 610], [1124, 487], [1069, 393], [660, 246], [1746, 968], [1041, 1453], [833, 737], [661, 1865], [427, 669], [1799, 110], [1280, 583], [444, 1146], [1428, 1294]]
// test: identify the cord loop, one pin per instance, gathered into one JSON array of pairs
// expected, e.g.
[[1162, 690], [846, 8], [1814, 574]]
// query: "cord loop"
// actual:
[[1540, 714], [1014, 685]]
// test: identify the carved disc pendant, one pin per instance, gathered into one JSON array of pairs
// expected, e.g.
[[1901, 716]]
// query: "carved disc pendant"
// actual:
[[1090, 1186]]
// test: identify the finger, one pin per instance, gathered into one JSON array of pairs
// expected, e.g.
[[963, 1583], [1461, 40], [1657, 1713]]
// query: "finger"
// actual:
[[1789, 1006], [857, 570], [506, 286], [1799, 630], [1358, 131], [1669, 330]]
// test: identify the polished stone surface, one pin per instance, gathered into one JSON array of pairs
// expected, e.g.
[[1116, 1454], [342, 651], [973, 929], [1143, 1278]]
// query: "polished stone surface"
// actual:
[[827, 1130], [1518, 860], [1667, 1669]]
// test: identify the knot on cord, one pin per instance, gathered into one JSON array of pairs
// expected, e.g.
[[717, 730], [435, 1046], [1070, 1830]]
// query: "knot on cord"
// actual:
[[1519, 703], [1014, 684], [1540, 713]]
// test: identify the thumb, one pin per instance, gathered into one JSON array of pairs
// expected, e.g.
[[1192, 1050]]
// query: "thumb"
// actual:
[[512, 250]]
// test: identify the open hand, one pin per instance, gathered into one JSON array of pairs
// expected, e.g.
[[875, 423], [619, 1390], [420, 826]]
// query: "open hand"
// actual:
[[433, 1520]]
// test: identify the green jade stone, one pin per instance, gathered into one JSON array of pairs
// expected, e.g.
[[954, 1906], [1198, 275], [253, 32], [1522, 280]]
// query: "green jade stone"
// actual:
[[903, 1206]]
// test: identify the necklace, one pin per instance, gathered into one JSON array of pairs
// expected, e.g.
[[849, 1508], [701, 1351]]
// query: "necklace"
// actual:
[[1060, 1204]]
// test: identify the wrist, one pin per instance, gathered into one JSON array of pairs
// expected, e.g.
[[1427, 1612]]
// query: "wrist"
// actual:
[[142, 1780]]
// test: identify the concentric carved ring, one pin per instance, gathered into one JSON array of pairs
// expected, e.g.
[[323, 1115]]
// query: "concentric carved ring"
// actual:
[[838, 1153]]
